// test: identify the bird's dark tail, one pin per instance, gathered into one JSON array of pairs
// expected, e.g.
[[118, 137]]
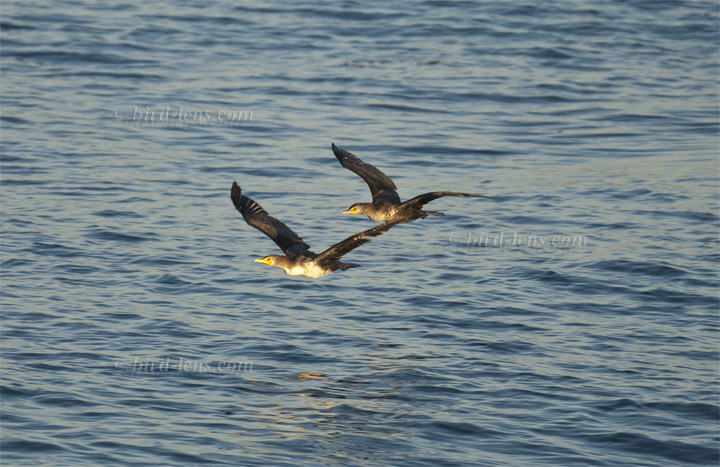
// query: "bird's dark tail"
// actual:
[[344, 266]]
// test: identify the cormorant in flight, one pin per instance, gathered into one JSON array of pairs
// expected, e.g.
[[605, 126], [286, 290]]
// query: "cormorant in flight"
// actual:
[[386, 205], [298, 259]]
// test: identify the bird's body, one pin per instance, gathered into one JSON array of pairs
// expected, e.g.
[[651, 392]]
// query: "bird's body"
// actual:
[[303, 265], [386, 205], [299, 260], [385, 211]]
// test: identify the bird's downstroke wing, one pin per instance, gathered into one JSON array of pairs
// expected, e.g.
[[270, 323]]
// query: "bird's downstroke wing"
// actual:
[[421, 200], [288, 241], [381, 186], [337, 251]]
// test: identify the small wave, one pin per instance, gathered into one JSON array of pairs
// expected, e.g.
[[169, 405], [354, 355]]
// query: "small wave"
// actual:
[[10, 446], [657, 269], [61, 57], [8, 26], [114, 213], [677, 451], [120, 236], [54, 249]]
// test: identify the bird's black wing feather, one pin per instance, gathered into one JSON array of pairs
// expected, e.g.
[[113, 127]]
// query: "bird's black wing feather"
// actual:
[[381, 186], [421, 200], [288, 241], [337, 251]]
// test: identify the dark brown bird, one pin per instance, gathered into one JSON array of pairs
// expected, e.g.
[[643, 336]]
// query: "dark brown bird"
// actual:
[[298, 259], [386, 205]]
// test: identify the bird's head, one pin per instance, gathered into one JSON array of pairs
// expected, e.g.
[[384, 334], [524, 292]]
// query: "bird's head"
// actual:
[[357, 208], [271, 260]]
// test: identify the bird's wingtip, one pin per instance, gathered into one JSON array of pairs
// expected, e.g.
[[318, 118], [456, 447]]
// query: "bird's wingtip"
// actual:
[[235, 191], [336, 150]]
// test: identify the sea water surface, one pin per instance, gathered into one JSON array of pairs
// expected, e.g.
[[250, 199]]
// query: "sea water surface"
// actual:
[[571, 321]]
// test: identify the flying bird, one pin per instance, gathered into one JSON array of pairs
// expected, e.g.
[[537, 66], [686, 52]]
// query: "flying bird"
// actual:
[[386, 205], [298, 259]]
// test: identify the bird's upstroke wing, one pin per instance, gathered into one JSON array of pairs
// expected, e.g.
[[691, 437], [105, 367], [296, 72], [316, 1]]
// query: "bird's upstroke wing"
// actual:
[[288, 241], [381, 186]]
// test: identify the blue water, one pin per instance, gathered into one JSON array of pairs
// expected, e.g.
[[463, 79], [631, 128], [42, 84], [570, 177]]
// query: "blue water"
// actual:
[[573, 321]]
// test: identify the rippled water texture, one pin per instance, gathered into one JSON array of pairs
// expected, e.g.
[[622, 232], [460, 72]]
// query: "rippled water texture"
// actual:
[[572, 321]]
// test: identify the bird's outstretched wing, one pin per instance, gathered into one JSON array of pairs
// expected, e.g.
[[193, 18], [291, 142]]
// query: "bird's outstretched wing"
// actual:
[[288, 241], [421, 200], [381, 186], [337, 251]]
